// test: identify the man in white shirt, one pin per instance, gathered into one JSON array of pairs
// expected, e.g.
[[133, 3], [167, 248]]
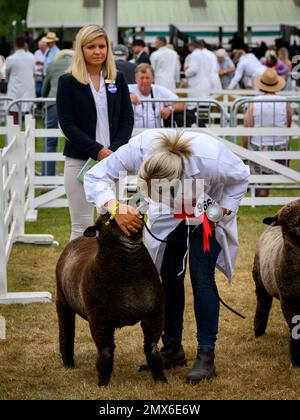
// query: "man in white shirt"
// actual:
[[164, 62], [149, 115], [202, 70], [248, 67], [20, 75]]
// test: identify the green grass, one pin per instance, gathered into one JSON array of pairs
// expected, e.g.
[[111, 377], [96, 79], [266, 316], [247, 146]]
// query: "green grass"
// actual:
[[31, 367]]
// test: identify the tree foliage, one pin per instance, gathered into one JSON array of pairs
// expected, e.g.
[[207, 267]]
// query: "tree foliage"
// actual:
[[10, 11]]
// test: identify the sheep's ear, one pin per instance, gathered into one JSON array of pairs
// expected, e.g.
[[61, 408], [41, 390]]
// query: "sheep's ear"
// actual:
[[90, 232], [272, 221]]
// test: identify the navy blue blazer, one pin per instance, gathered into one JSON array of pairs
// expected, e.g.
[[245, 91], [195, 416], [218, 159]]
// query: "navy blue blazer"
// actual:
[[77, 116]]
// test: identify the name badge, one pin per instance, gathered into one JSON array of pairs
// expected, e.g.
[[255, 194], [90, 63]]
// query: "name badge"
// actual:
[[112, 88], [202, 205]]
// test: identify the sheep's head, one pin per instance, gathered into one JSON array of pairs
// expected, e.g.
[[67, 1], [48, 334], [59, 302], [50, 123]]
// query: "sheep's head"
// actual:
[[104, 227], [288, 217]]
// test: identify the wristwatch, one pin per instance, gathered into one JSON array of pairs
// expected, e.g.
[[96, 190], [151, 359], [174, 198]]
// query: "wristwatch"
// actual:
[[228, 213]]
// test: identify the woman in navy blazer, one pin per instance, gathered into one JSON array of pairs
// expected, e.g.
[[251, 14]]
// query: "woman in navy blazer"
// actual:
[[95, 114]]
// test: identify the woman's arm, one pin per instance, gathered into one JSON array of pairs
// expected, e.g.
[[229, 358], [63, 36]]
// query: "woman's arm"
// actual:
[[248, 122], [289, 115], [67, 122], [237, 77], [100, 184]]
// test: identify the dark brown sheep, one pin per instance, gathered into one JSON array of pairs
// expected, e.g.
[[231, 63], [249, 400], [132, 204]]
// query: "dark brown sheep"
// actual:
[[276, 272], [109, 280]]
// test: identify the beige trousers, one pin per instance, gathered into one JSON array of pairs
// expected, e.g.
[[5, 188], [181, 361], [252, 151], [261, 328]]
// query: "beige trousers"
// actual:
[[81, 212]]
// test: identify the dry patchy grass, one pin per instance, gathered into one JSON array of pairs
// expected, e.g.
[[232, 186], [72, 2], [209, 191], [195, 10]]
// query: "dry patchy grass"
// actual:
[[31, 368]]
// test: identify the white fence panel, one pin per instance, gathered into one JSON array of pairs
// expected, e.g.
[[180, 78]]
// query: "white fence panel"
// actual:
[[13, 185]]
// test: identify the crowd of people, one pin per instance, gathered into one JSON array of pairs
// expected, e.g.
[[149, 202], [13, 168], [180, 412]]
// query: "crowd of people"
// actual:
[[155, 75], [201, 69]]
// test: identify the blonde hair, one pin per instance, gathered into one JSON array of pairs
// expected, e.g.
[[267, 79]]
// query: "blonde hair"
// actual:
[[283, 54], [78, 67], [237, 54], [166, 159]]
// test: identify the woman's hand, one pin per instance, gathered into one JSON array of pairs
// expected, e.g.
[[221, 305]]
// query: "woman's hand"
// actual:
[[128, 219], [104, 153]]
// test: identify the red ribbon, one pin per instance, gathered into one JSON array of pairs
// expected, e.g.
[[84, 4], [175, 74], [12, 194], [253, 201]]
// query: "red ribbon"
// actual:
[[205, 224], [206, 233]]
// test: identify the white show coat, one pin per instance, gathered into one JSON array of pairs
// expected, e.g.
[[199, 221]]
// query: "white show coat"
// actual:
[[165, 65], [202, 72], [247, 69], [20, 74], [225, 180]]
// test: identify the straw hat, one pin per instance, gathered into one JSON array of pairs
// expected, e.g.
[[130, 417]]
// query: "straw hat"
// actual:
[[269, 81], [50, 37]]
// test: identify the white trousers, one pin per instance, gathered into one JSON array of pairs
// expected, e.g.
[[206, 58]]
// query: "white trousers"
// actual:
[[81, 212]]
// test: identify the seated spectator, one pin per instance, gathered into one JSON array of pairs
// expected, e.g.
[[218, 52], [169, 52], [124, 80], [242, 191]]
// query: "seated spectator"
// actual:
[[268, 114], [120, 53], [150, 115], [226, 67]]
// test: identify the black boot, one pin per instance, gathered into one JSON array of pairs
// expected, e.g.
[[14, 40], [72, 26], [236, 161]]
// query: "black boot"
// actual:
[[172, 354], [203, 368]]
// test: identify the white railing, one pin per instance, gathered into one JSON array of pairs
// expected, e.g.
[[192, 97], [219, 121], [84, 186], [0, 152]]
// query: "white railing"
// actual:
[[14, 203], [54, 197], [208, 110], [242, 102], [284, 178], [4, 101], [226, 96]]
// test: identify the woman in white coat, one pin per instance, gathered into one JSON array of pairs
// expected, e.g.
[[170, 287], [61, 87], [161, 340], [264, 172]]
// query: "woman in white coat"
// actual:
[[170, 155]]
